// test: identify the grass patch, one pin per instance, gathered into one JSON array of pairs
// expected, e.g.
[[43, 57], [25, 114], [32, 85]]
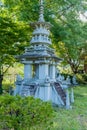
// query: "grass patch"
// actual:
[[75, 118]]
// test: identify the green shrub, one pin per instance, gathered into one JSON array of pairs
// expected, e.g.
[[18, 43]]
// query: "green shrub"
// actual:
[[24, 113]]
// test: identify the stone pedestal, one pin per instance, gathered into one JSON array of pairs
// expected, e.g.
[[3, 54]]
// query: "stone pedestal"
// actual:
[[67, 100], [72, 96], [43, 71], [27, 71], [53, 72]]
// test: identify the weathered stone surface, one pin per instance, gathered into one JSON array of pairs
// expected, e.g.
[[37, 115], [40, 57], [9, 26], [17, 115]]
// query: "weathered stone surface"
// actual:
[[40, 64]]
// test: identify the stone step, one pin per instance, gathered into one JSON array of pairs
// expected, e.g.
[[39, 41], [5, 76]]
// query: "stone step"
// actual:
[[60, 91]]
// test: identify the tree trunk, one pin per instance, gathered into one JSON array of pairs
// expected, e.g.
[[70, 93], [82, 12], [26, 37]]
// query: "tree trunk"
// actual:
[[85, 67], [85, 64], [1, 79], [74, 68]]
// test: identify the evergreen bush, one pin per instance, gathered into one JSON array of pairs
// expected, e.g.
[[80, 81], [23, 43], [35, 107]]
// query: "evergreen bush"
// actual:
[[19, 113]]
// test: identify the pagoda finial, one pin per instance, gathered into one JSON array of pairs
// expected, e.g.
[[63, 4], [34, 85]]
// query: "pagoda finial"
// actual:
[[41, 16]]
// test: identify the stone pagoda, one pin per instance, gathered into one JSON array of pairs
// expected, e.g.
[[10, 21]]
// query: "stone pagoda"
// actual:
[[40, 63]]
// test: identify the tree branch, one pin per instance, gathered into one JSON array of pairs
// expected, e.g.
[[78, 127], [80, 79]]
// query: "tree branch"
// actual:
[[6, 69]]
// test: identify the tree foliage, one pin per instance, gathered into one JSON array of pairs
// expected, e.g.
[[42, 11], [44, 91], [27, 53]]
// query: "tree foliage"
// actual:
[[13, 37], [69, 34], [68, 29]]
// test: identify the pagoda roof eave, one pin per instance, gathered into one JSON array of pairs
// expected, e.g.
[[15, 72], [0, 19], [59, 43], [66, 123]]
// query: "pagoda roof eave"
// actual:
[[37, 57]]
